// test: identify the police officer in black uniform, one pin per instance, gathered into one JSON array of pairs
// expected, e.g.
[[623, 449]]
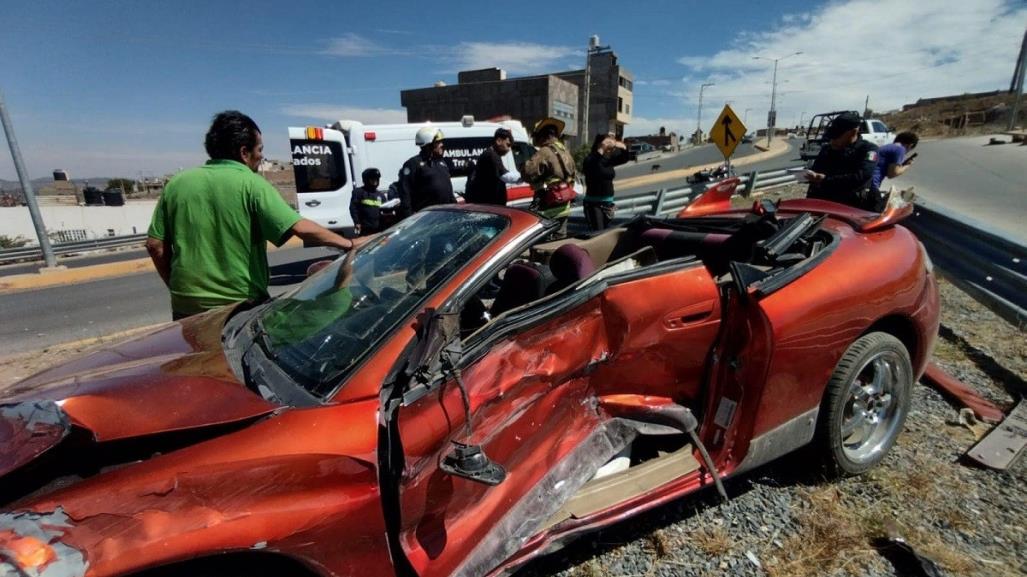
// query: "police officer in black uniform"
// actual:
[[844, 169], [424, 179], [366, 205]]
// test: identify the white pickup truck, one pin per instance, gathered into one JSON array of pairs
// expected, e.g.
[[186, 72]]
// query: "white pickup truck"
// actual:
[[870, 129]]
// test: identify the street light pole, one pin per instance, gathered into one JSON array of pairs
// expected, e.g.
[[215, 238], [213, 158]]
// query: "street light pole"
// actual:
[[772, 115], [698, 124], [26, 187], [745, 117]]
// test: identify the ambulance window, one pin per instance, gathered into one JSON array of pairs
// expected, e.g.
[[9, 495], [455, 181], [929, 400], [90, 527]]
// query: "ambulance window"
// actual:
[[318, 165], [463, 152]]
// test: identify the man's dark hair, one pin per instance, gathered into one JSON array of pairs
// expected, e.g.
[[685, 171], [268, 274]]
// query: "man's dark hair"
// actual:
[[908, 139], [502, 133], [229, 131], [598, 141]]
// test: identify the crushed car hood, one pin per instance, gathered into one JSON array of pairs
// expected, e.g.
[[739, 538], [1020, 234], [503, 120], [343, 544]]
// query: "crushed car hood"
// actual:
[[172, 379]]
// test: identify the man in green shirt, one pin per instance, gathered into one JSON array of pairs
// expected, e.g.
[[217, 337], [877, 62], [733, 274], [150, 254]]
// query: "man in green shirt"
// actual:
[[209, 233]]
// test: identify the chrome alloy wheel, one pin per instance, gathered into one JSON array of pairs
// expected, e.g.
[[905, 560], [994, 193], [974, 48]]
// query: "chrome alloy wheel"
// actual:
[[871, 416]]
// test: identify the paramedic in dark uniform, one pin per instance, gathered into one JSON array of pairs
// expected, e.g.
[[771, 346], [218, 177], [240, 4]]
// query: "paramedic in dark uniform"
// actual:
[[424, 179], [366, 205], [844, 169], [488, 183]]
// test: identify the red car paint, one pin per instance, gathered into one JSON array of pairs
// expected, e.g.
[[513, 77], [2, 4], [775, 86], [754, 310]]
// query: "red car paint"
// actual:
[[226, 470]]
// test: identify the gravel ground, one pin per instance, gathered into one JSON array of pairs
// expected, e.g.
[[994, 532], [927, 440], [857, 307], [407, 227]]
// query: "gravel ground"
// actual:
[[785, 520]]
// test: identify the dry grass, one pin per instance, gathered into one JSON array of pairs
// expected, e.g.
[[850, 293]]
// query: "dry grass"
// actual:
[[832, 536], [661, 543], [712, 540], [837, 535]]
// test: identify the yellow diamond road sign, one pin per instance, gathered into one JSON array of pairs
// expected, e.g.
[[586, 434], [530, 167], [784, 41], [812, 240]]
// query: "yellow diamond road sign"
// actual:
[[727, 131]]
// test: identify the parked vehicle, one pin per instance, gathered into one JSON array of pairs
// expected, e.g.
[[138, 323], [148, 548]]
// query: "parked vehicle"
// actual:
[[639, 148], [870, 129], [327, 162], [396, 415]]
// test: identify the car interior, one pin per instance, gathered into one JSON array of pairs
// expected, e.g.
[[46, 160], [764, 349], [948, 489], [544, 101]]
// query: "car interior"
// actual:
[[759, 239]]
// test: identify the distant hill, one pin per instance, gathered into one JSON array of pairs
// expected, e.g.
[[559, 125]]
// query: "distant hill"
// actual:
[[955, 115]]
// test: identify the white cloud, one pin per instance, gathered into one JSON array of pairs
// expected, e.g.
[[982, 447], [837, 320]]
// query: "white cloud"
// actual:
[[925, 49], [333, 112], [352, 45], [514, 57]]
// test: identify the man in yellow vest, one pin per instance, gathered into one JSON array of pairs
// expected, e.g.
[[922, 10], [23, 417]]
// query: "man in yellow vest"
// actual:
[[551, 173]]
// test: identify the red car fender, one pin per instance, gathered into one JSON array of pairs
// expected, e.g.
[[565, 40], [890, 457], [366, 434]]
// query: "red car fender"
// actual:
[[717, 198]]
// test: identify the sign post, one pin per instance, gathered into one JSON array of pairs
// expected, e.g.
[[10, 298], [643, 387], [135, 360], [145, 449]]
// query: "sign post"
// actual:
[[727, 132]]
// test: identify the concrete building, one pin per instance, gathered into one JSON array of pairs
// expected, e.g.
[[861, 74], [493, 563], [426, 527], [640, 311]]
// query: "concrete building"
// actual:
[[488, 93], [610, 98]]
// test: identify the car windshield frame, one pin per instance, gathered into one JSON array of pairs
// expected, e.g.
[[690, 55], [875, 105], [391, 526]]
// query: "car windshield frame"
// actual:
[[319, 332]]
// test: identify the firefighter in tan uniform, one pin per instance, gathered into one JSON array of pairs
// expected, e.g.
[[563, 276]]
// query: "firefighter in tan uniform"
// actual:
[[551, 174]]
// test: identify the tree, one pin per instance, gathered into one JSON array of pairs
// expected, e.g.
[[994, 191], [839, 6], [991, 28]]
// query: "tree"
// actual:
[[125, 184], [579, 157], [12, 242]]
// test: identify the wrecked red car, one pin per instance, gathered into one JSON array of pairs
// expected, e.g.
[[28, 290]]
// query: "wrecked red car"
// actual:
[[462, 395]]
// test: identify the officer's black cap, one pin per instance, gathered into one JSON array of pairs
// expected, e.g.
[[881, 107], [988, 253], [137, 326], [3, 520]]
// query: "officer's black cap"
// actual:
[[841, 124], [371, 174]]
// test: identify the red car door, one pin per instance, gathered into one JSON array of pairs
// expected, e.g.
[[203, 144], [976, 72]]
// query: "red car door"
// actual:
[[534, 396]]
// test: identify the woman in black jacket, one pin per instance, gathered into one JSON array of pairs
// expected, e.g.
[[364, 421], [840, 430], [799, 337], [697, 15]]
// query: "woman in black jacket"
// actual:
[[607, 152]]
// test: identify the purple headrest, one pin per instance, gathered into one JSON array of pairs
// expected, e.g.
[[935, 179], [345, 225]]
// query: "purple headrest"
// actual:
[[571, 263], [522, 284]]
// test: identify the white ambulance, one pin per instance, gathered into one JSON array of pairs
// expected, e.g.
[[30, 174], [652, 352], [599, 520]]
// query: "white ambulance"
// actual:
[[328, 162]]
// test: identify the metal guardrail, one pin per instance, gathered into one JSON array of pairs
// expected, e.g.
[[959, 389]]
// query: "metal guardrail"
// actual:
[[988, 266], [34, 253]]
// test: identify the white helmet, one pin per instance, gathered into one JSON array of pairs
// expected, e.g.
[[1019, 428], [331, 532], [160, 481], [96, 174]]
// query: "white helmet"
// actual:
[[427, 135]]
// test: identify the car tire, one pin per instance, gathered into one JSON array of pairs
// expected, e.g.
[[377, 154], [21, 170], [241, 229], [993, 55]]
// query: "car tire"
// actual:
[[865, 404]]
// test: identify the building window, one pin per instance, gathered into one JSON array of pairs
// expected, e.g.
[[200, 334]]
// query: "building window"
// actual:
[[624, 82], [627, 109], [620, 104], [563, 110]]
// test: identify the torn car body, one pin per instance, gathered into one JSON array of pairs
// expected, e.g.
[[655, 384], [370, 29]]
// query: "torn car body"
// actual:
[[592, 379]]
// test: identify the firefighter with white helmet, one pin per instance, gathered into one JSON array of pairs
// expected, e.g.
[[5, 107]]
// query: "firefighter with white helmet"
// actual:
[[424, 180]]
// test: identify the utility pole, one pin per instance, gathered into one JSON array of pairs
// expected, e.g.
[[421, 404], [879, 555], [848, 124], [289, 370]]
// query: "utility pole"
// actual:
[[594, 40], [866, 106], [745, 117], [698, 124], [772, 115], [1018, 78], [26, 187]]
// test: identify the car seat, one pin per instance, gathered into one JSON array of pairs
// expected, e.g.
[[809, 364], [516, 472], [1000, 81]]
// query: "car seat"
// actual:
[[670, 244], [523, 283], [569, 263]]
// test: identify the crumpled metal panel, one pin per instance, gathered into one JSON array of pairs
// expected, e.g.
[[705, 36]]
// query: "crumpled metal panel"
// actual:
[[30, 546], [562, 481], [27, 430]]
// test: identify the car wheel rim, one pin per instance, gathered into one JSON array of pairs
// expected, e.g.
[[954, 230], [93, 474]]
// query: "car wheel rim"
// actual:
[[871, 417]]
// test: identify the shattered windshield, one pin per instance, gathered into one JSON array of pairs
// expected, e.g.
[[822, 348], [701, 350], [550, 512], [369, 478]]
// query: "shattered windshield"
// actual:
[[319, 331]]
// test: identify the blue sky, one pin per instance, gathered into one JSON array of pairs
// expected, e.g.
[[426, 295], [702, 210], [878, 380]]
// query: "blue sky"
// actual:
[[127, 88]]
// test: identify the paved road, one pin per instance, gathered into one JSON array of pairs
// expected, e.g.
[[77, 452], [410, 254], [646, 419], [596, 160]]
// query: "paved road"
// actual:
[[966, 175], [34, 320], [789, 159], [704, 154]]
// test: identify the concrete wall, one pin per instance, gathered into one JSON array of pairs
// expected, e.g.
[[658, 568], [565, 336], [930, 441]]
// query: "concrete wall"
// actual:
[[132, 218]]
